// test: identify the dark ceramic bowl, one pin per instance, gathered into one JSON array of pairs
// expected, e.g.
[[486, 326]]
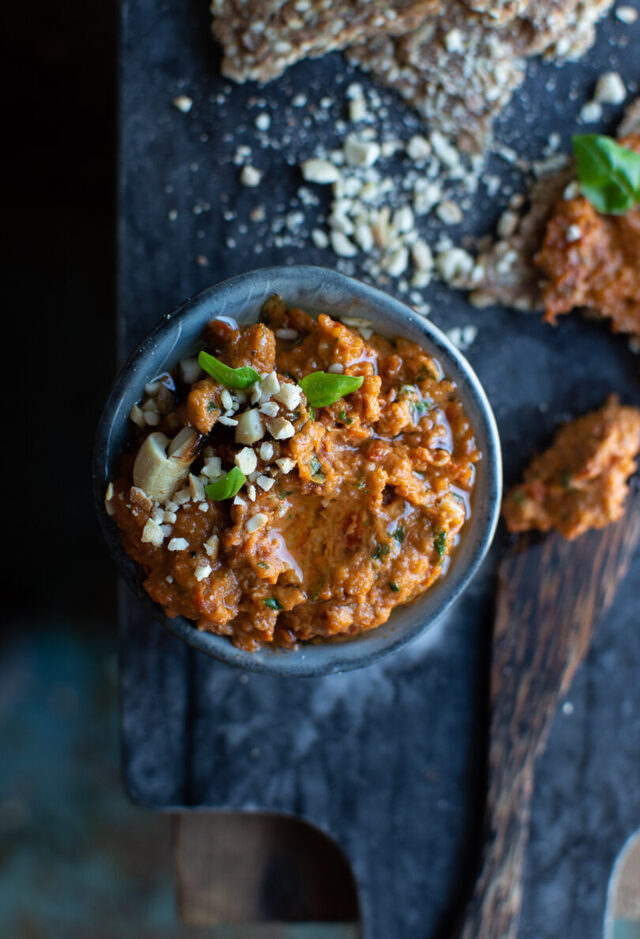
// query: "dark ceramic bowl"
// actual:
[[315, 289]]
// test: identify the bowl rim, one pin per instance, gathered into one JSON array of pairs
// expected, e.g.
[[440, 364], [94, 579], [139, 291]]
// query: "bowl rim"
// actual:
[[304, 661]]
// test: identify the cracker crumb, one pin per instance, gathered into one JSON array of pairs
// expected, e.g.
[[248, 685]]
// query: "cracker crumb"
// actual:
[[591, 112], [183, 103], [626, 14], [250, 176], [263, 121], [610, 89]]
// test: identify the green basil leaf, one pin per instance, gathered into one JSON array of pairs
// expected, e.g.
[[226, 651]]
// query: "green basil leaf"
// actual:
[[231, 377], [227, 486], [609, 174], [324, 388]]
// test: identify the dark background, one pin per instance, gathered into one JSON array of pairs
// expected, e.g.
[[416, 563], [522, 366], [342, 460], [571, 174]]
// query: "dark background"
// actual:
[[77, 859], [59, 267]]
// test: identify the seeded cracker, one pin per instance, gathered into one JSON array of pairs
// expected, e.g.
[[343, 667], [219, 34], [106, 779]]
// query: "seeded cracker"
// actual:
[[261, 38], [456, 71], [498, 11], [460, 69]]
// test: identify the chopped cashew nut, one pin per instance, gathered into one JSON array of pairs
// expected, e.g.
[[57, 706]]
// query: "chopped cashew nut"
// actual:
[[196, 487], [256, 522], [285, 464], [269, 386], [289, 395], [246, 460], [152, 533], [178, 544], [211, 546], [250, 428], [281, 429], [162, 465]]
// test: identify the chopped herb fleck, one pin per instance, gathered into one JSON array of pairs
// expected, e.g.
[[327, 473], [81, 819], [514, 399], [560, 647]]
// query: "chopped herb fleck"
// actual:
[[312, 413], [272, 603], [421, 407], [263, 565], [361, 484], [393, 586], [518, 497], [381, 552], [212, 406], [342, 415], [316, 469], [565, 479], [440, 544], [426, 373], [398, 534]]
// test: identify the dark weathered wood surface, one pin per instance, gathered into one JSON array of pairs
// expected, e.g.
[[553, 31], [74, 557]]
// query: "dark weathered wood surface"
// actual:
[[551, 593]]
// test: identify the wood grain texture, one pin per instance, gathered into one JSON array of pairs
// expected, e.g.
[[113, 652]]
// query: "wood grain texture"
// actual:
[[551, 593]]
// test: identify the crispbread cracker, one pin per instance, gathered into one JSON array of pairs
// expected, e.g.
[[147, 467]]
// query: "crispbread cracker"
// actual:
[[459, 69], [261, 38], [457, 72]]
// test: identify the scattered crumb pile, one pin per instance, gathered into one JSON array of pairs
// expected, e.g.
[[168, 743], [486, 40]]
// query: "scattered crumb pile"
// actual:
[[374, 213], [580, 482], [389, 200], [457, 63]]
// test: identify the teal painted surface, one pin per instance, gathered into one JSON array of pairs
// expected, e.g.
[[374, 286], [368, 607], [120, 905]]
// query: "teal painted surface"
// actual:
[[76, 858], [626, 929]]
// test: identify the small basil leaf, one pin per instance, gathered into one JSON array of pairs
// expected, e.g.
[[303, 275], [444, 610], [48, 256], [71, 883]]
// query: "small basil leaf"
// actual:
[[324, 388], [231, 377], [227, 486], [609, 174]]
